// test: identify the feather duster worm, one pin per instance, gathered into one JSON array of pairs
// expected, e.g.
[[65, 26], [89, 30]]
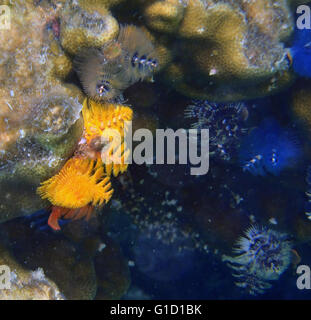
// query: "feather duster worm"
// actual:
[[142, 61], [226, 124], [261, 256], [75, 190], [106, 122], [269, 149], [100, 71], [105, 72]]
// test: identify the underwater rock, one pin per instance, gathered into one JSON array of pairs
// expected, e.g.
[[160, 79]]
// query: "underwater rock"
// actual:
[[40, 121], [63, 261], [26, 284], [68, 265], [224, 51], [83, 262]]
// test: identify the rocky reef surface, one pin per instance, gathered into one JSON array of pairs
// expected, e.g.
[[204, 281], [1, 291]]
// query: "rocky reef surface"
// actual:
[[221, 51]]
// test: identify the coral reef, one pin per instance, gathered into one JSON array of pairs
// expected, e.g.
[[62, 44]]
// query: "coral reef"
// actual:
[[39, 114], [77, 263], [262, 256], [62, 151], [223, 51], [24, 284]]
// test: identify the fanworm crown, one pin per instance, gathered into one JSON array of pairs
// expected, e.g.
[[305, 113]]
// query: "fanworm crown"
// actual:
[[107, 122], [262, 255], [79, 183], [105, 72]]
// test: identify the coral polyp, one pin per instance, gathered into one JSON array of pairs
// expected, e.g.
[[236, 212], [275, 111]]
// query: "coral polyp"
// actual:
[[107, 122], [80, 183], [226, 124], [262, 255]]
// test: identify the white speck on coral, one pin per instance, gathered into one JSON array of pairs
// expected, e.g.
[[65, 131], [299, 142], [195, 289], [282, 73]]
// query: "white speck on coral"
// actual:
[[213, 72], [101, 247], [11, 108], [22, 133], [38, 275]]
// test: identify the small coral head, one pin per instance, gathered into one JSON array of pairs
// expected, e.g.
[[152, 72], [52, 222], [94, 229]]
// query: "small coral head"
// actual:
[[80, 182]]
